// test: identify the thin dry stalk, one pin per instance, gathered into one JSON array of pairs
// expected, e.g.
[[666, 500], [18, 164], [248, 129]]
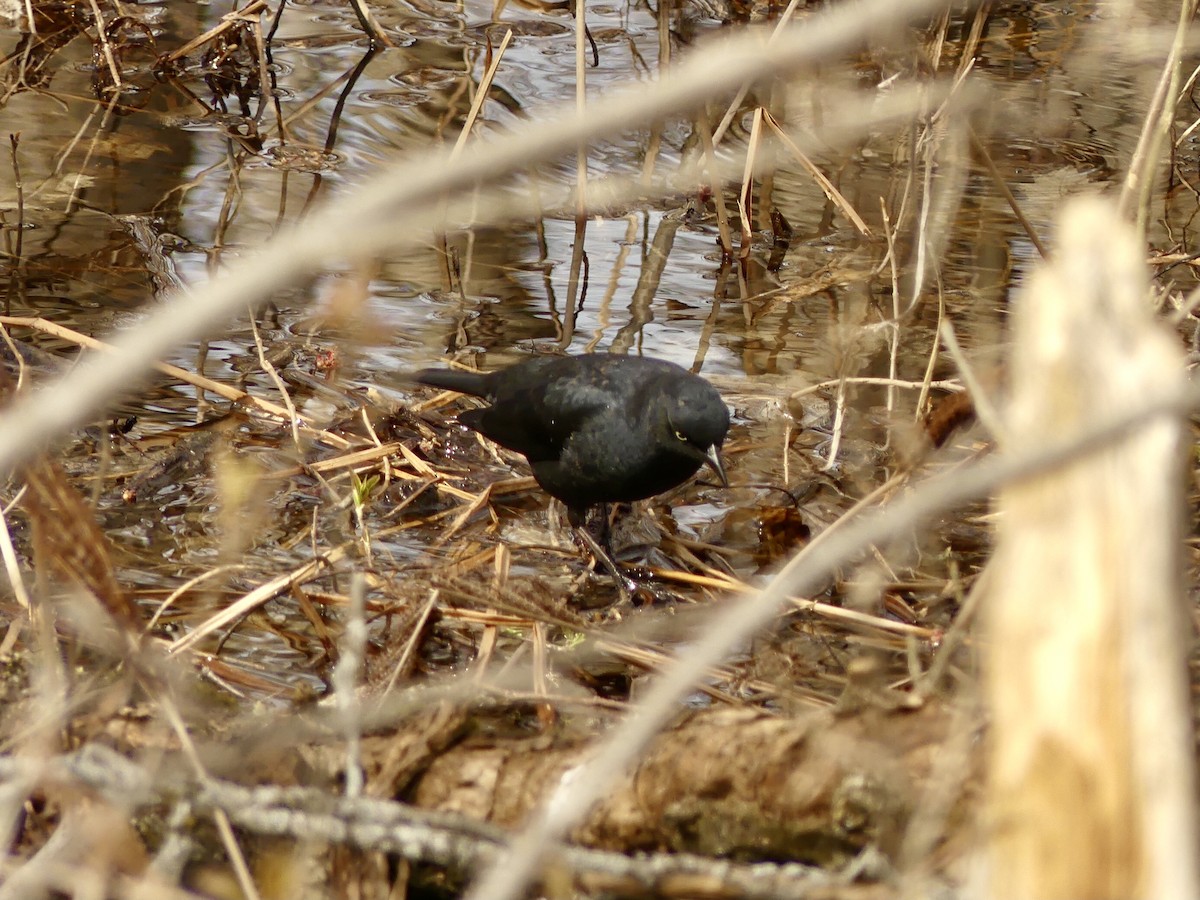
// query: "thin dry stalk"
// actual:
[[411, 645], [293, 417], [246, 13], [359, 461], [101, 130], [930, 364], [746, 195], [233, 850], [952, 386], [102, 37], [839, 420], [929, 142], [185, 588], [1002, 186], [814, 607], [894, 335], [1139, 180], [259, 596], [835, 196], [581, 173], [956, 635], [491, 625], [11, 567], [481, 95], [18, 243]]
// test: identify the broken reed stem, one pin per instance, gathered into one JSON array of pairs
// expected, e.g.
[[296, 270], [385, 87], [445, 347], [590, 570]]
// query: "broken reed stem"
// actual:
[[481, 94], [746, 195], [1159, 117], [1091, 766], [254, 8], [836, 197], [732, 109], [716, 183], [102, 38]]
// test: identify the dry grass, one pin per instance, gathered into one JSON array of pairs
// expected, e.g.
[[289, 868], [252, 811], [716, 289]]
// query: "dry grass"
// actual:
[[840, 669]]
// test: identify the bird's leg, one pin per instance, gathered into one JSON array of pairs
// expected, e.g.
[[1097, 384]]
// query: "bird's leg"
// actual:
[[605, 559], [601, 550], [605, 536]]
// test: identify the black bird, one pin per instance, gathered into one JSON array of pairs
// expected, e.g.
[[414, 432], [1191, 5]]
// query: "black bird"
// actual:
[[597, 428]]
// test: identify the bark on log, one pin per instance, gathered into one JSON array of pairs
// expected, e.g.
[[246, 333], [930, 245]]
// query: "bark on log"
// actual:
[[734, 784]]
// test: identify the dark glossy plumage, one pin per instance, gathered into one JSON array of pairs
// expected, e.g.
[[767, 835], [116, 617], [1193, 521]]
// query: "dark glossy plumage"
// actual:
[[597, 428]]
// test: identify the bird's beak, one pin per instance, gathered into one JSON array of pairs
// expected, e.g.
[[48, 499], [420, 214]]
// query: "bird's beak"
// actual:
[[713, 460]]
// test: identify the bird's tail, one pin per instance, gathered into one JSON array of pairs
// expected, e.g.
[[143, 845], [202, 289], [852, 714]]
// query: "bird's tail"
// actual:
[[476, 384]]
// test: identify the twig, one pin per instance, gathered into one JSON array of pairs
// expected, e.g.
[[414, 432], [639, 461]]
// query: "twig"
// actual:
[[102, 38], [345, 683], [835, 196]]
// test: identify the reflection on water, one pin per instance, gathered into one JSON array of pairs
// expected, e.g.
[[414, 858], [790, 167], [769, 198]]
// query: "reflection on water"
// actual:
[[208, 180]]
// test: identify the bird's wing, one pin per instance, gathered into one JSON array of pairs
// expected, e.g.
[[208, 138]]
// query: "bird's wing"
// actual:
[[537, 419]]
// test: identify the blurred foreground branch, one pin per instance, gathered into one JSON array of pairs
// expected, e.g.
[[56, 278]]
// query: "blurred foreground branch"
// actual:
[[1091, 767]]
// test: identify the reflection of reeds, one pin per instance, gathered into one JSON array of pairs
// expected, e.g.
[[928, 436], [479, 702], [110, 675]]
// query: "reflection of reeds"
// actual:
[[399, 207]]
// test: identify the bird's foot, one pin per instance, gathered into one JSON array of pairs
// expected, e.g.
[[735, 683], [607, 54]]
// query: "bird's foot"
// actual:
[[626, 587]]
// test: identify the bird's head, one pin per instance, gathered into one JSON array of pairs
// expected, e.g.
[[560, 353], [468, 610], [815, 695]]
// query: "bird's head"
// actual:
[[697, 420]]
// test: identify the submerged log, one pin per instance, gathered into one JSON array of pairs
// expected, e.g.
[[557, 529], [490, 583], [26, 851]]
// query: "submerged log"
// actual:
[[1091, 790]]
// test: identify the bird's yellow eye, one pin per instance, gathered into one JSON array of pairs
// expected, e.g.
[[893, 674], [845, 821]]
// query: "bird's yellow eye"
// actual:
[[681, 436]]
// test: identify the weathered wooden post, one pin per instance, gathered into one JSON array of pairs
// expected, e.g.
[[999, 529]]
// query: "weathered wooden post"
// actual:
[[1091, 789]]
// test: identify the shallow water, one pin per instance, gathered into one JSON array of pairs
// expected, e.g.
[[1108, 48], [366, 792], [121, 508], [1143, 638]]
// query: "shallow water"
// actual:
[[1056, 119]]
